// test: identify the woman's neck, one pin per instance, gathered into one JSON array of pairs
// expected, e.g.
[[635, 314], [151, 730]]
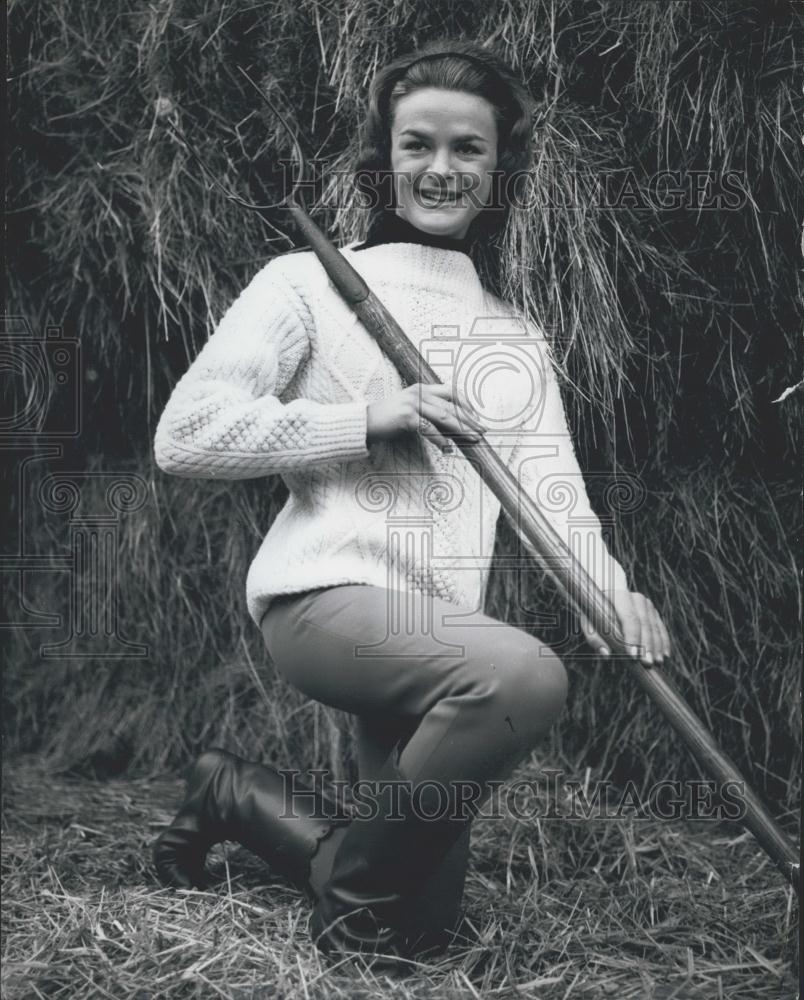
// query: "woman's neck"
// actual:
[[391, 228]]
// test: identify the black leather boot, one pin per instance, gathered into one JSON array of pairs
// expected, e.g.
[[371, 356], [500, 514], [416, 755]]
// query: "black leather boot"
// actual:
[[229, 798], [371, 903], [433, 914]]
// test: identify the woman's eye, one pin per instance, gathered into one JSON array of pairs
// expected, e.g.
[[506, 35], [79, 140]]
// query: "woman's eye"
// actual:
[[470, 148], [413, 144]]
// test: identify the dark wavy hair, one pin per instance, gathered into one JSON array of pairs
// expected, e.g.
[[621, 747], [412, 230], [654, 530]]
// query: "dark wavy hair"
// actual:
[[452, 65]]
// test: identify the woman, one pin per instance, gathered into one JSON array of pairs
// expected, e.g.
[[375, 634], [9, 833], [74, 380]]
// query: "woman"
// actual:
[[369, 586]]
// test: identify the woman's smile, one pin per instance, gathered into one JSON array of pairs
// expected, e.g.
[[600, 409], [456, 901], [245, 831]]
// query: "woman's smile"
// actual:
[[430, 195], [433, 198]]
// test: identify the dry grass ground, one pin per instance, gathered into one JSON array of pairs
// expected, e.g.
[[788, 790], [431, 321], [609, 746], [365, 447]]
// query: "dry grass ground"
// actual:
[[567, 908]]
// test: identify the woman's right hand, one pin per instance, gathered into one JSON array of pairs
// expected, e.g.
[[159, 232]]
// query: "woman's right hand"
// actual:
[[428, 409]]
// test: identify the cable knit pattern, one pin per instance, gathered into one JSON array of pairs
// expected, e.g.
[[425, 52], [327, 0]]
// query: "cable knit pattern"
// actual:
[[283, 385]]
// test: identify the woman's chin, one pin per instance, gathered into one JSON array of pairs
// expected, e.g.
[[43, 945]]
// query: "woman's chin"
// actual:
[[439, 222]]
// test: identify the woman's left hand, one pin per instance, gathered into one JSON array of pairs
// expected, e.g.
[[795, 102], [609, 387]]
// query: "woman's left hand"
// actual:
[[644, 631]]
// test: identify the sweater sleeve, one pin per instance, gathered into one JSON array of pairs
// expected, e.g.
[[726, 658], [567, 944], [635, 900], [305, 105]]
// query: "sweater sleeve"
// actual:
[[546, 467], [224, 419]]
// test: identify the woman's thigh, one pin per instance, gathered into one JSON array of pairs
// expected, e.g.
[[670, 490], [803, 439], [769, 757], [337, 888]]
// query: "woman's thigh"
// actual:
[[368, 650]]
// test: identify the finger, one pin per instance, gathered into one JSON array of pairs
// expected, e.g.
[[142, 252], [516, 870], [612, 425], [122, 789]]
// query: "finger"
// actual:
[[628, 621], [462, 411], [633, 627], [445, 419], [430, 433], [466, 417], [661, 635], [467, 408], [658, 636], [645, 629], [645, 632], [593, 637], [655, 641], [650, 635], [664, 634], [655, 633], [435, 393], [442, 390]]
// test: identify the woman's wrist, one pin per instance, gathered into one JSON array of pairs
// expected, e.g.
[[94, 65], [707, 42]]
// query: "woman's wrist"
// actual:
[[369, 435]]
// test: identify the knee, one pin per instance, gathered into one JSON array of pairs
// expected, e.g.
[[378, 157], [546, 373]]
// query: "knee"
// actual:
[[533, 691]]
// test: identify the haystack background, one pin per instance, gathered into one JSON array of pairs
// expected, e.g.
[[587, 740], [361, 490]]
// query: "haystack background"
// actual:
[[678, 329]]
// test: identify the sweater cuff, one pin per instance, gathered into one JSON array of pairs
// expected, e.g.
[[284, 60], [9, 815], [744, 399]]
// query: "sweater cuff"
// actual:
[[341, 435]]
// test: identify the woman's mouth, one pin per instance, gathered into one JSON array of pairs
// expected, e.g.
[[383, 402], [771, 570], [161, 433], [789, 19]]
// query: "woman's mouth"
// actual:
[[438, 199]]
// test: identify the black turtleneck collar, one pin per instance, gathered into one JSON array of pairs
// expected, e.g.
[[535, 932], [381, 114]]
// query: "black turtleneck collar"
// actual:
[[392, 228]]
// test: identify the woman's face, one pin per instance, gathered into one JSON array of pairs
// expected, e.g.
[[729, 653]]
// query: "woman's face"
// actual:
[[443, 149]]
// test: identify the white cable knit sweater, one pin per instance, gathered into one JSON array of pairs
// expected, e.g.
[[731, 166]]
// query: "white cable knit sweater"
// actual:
[[283, 385]]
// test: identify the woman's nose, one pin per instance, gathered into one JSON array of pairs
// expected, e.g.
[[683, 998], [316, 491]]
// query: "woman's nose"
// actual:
[[441, 163]]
